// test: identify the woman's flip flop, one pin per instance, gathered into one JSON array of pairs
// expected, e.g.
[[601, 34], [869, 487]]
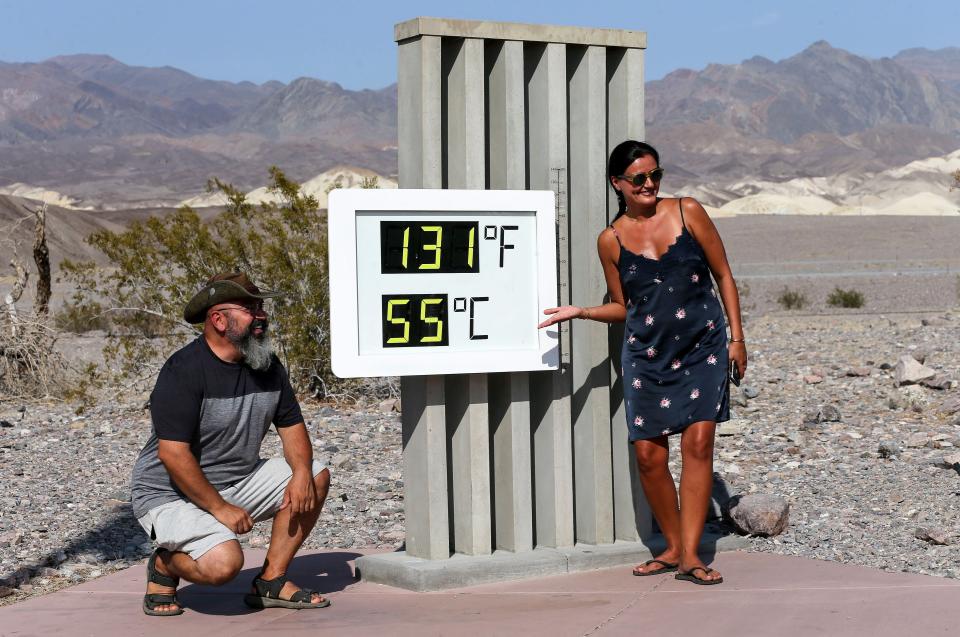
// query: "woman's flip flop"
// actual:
[[690, 577], [667, 567]]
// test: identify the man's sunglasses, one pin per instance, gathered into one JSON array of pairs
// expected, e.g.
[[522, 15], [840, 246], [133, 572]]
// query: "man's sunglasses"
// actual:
[[252, 311], [639, 179]]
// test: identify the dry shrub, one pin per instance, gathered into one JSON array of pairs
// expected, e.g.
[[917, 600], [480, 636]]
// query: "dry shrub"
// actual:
[[792, 299], [29, 365], [157, 265], [845, 298], [78, 319]]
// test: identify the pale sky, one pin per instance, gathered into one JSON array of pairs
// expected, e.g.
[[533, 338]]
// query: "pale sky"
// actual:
[[351, 42]]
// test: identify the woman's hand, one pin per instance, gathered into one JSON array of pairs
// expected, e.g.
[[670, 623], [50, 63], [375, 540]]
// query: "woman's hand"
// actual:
[[738, 354], [559, 314]]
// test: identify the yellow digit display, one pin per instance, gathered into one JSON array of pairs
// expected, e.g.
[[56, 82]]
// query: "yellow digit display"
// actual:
[[440, 247], [473, 233], [398, 320], [403, 326], [435, 247], [431, 320]]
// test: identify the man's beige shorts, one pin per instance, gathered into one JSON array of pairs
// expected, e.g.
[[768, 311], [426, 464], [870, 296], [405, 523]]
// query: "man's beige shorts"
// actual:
[[182, 526]]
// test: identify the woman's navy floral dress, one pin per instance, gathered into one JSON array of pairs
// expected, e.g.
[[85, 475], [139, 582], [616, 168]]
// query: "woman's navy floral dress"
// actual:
[[675, 344]]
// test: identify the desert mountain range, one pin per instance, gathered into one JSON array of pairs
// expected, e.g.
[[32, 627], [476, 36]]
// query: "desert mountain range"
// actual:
[[106, 134], [841, 130], [820, 113]]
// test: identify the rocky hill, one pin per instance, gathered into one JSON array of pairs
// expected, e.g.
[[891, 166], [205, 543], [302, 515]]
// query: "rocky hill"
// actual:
[[818, 113], [117, 136], [166, 84], [67, 230], [109, 135], [942, 65], [324, 110]]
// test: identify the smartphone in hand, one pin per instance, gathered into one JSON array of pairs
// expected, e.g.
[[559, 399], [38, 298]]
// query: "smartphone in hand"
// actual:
[[734, 373]]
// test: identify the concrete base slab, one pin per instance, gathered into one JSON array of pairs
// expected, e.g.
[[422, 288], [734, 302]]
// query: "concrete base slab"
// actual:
[[416, 574], [584, 557]]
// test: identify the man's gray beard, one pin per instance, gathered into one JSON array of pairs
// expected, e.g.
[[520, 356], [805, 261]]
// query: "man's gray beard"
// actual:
[[257, 352]]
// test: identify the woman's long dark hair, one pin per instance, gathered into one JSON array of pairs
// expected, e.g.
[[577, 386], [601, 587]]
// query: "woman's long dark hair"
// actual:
[[620, 159]]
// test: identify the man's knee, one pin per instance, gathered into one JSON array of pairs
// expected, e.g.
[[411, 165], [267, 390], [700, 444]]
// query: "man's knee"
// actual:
[[221, 564]]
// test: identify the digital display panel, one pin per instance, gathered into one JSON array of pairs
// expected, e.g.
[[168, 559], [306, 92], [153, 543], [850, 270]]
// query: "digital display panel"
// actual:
[[418, 246], [441, 281], [415, 320], [436, 246]]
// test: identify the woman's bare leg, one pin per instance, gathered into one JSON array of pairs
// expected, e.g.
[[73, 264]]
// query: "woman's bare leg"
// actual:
[[696, 483], [658, 487]]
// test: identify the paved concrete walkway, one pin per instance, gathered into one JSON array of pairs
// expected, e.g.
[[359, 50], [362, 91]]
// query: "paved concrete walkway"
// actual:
[[763, 595]]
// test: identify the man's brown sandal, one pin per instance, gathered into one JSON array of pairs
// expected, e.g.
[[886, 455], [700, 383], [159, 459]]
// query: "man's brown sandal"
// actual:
[[268, 595], [153, 600]]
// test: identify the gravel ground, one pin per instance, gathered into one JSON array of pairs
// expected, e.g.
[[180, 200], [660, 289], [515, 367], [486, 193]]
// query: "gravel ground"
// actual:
[[862, 484], [865, 479], [65, 515], [859, 487]]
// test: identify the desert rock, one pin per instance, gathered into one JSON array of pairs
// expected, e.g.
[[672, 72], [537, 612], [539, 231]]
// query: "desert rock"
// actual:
[[909, 371], [764, 515]]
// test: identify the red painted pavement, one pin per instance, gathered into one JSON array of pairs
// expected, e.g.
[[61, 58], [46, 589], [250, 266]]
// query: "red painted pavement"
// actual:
[[762, 594]]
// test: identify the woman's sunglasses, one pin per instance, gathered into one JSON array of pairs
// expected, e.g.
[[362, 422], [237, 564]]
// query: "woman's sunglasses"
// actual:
[[639, 179]]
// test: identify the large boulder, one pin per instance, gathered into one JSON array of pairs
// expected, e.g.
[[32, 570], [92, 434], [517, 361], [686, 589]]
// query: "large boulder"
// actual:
[[909, 371], [933, 536], [950, 406], [758, 514], [952, 461], [939, 382], [390, 405], [824, 413]]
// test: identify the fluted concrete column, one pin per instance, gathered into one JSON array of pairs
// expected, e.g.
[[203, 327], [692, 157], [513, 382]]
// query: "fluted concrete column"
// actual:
[[424, 408], [591, 372], [631, 515], [546, 76], [468, 420], [509, 393]]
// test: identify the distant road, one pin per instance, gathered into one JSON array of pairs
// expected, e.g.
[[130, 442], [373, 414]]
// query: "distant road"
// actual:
[[848, 273], [845, 268], [772, 245]]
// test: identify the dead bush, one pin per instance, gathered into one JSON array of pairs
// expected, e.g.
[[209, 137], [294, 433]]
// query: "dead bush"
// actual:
[[29, 365]]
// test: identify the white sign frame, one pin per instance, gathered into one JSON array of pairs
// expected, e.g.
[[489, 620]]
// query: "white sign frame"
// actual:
[[346, 358]]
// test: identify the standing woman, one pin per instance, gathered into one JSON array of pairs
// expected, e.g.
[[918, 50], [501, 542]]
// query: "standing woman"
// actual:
[[657, 257]]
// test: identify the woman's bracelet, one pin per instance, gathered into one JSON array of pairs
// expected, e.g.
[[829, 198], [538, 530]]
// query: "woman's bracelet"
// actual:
[[738, 340]]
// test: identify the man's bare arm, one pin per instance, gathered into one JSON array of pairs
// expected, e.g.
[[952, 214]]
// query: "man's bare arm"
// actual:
[[183, 467], [300, 493]]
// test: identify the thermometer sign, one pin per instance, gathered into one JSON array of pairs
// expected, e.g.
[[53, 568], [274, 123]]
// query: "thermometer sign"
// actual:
[[454, 283]]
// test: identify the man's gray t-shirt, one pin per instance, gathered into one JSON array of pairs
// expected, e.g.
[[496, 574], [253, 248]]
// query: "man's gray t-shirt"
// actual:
[[222, 409]]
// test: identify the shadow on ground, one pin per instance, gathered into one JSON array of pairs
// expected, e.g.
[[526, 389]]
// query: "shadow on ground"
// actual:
[[323, 572], [117, 537]]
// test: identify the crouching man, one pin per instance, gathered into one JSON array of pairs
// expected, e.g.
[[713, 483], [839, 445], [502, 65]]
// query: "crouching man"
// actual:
[[199, 482]]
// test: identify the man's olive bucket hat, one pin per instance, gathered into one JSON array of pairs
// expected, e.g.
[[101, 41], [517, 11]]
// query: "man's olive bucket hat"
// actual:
[[227, 286]]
